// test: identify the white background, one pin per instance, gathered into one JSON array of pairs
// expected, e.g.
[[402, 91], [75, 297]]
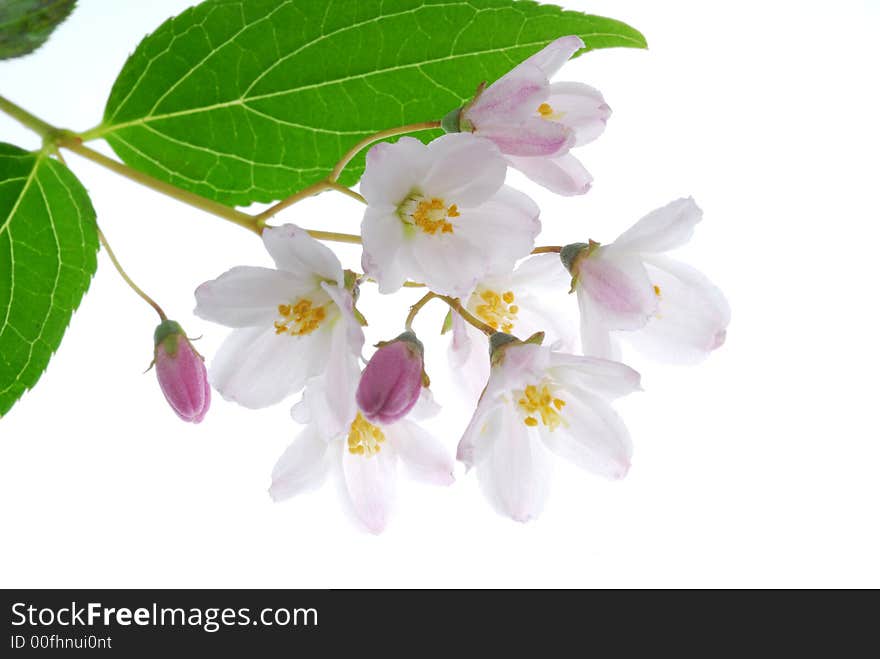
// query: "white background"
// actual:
[[758, 468]]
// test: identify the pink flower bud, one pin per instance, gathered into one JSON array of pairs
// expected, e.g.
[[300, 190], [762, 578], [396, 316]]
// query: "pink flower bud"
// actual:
[[181, 373], [392, 382]]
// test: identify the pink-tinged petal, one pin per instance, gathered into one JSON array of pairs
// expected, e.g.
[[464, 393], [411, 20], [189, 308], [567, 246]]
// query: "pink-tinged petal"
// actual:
[[503, 229], [592, 436], [563, 175], [255, 367], [424, 457], [663, 229], [482, 432], [383, 236], [533, 137], [391, 383], [551, 58], [691, 319], [425, 408], [596, 339], [301, 467], [619, 288], [609, 379], [509, 100], [392, 171], [295, 251], [580, 107], [465, 170], [354, 333], [370, 485], [449, 264], [182, 376], [468, 359], [246, 296], [516, 473]]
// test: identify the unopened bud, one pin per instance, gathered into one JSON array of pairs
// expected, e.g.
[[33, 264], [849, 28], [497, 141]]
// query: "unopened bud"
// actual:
[[392, 381], [181, 373]]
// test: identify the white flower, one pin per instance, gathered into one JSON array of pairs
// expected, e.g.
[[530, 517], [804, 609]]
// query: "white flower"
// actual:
[[630, 285], [535, 123], [291, 323], [538, 402], [365, 453], [531, 298], [441, 214]]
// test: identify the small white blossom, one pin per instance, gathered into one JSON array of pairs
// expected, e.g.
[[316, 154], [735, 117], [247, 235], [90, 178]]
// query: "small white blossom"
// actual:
[[539, 402], [291, 323], [366, 454], [441, 214], [668, 309]]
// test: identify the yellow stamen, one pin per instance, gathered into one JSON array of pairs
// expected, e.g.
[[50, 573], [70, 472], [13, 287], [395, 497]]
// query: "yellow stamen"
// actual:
[[538, 401], [495, 309], [299, 319], [430, 215], [656, 290], [364, 438], [547, 111]]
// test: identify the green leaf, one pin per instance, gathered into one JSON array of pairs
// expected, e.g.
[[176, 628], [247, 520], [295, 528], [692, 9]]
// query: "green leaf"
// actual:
[[26, 24], [48, 247], [244, 102]]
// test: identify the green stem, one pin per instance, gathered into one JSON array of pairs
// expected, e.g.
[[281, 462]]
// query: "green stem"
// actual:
[[25, 118], [454, 304], [73, 143], [414, 309], [137, 289]]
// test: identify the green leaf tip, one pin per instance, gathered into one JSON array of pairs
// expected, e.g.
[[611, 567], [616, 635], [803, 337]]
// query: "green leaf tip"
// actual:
[[25, 25]]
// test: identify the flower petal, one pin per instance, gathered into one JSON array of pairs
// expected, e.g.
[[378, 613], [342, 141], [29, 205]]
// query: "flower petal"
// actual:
[[295, 251], [465, 170], [383, 236], [448, 264], [581, 108], [503, 229], [370, 485], [606, 378], [533, 137], [563, 175], [424, 457], [301, 467], [509, 100], [515, 474], [256, 367], [481, 433], [663, 229], [551, 58], [596, 339], [392, 171], [594, 438], [468, 358], [245, 296], [619, 288], [691, 319]]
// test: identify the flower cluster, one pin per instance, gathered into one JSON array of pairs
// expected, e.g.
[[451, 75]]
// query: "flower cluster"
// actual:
[[440, 216]]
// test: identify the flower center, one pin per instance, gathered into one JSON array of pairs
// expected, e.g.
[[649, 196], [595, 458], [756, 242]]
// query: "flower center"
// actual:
[[431, 215], [657, 291], [299, 319], [364, 438], [538, 402], [497, 310], [546, 111]]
